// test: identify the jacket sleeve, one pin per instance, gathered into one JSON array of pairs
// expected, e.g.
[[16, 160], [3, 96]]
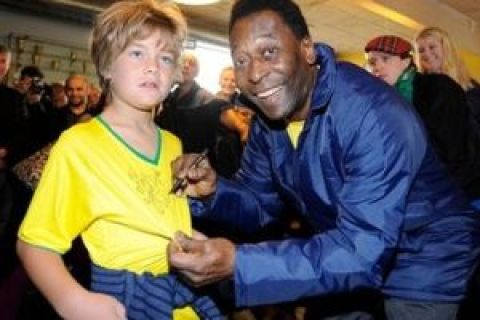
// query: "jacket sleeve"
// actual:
[[379, 164], [250, 201]]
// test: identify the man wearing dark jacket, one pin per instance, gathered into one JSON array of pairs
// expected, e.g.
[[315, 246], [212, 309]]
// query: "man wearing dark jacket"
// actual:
[[347, 152]]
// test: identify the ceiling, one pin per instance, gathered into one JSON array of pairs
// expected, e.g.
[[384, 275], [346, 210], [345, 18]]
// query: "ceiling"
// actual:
[[344, 24]]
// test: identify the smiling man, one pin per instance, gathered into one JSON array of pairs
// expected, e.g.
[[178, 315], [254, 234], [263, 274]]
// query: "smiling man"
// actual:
[[344, 150]]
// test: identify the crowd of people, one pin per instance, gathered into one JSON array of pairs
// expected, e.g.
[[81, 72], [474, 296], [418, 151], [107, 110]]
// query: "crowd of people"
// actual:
[[328, 190]]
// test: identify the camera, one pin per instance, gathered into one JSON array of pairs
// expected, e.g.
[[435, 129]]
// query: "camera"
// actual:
[[38, 85]]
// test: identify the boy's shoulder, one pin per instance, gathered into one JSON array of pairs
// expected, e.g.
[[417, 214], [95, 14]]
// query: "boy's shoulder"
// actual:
[[84, 132], [170, 140]]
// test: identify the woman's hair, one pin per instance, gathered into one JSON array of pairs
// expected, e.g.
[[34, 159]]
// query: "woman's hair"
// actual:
[[124, 21], [452, 64]]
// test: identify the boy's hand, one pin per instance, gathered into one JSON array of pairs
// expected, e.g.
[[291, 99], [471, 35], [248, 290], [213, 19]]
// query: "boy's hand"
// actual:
[[92, 305]]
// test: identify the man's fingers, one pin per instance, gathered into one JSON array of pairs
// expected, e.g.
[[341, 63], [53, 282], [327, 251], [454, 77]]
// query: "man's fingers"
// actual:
[[196, 280], [187, 243], [198, 235]]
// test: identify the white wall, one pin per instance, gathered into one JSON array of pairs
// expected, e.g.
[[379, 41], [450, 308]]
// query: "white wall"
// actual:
[[70, 34], [212, 58]]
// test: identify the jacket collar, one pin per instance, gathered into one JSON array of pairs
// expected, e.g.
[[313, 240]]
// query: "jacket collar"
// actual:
[[326, 76]]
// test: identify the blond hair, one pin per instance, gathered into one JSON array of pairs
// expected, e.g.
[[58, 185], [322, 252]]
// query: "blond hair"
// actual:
[[452, 64], [124, 21], [227, 68]]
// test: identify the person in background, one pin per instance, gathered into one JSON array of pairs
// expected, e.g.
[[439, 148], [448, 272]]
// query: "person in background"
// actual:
[[13, 195], [94, 95], [200, 119], [59, 99], [240, 115], [436, 53], [37, 109], [191, 112], [76, 90], [108, 180], [228, 85], [351, 155], [441, 104], [10, 108], [189, 94]]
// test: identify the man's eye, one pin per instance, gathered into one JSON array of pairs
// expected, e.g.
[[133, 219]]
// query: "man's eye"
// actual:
[[239, 62], [269, 52]]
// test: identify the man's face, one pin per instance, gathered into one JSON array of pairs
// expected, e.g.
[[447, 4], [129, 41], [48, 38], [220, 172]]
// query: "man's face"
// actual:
[[24, 84], [59, 98], [272, 67], [76, 90], [189, 69], [93, 96], [387, 67], [4, 64]]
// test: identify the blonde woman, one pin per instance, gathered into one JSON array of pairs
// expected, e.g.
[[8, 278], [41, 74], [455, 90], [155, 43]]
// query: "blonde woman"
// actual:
[[436, 53]]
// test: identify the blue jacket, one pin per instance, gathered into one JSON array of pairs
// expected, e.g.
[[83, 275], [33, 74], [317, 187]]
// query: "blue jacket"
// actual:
[[385, 213]]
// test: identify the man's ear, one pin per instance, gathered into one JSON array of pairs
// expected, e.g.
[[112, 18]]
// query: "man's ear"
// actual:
[[308, 50]]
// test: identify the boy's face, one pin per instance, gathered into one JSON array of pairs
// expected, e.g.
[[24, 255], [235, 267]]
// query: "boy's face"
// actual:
[[142, 75]]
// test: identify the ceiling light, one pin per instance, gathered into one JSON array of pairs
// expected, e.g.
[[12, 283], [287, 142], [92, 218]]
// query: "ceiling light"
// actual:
[[391, 15], [196, 2]]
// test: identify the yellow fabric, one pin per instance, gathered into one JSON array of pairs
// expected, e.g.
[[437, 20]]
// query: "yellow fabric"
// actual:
[[294, 129], [186, 313], [96, 186]]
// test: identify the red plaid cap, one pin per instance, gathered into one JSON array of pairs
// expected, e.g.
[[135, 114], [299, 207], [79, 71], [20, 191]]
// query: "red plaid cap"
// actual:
[[390, 44]]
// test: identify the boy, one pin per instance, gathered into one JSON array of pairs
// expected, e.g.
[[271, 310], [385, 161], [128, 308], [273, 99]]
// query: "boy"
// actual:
[[108, 180]]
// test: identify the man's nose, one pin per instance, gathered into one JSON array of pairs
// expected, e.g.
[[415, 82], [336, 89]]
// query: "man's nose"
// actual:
[[256, 71]]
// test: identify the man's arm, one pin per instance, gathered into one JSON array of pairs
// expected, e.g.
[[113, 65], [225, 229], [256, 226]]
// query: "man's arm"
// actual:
[[379, 169]]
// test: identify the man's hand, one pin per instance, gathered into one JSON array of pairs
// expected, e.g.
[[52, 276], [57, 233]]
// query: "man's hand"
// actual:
[[200, 260], [198, 181]]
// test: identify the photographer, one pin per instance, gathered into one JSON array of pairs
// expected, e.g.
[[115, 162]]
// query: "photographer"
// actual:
[[37, 110]]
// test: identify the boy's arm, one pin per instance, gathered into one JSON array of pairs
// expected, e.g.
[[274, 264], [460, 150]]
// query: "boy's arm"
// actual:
[[68, 297]]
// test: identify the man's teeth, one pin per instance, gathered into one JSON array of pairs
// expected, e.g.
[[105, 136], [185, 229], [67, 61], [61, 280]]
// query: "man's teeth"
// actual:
[[268, 93]]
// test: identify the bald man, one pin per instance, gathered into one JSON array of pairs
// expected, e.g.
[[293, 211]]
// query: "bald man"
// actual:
[[76, 90]]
